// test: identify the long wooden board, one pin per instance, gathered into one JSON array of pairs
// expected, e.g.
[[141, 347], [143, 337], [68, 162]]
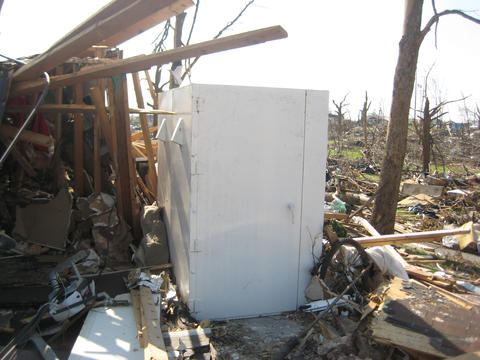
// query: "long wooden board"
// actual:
[[155, 346], [142, 62], [395, 239], [99, 31], [76, 108]]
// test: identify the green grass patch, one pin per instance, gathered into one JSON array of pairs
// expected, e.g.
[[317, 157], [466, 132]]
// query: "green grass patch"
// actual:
[[371, 177]]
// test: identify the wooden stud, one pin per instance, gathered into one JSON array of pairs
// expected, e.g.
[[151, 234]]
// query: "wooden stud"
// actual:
[[58, 100], [78, 108], [78, 143], [152, 172], [126, 170]]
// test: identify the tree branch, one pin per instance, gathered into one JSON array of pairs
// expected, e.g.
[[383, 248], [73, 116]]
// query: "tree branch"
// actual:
[[435, 18], [187, 71]]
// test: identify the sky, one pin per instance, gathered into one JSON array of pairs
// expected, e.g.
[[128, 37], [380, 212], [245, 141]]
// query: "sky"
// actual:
[[344, 46]]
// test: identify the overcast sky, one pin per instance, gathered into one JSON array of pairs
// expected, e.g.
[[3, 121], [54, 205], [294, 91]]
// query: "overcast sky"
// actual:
[[344, 46]]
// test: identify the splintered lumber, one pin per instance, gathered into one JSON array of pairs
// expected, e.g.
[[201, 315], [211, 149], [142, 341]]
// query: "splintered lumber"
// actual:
[[139, 135], [155, 346], [27, 135], [97, 32], [133, 29], [143, 62], [152, 172], [395, 239], [421, 319]]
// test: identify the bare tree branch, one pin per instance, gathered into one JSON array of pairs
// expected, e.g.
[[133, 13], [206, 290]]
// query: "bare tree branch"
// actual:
[[193, 22], [187, 71], [435, 18]]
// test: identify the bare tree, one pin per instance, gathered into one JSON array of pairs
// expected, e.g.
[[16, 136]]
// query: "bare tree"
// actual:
[[340, 115], [175, 78], [366, 106], [396, 143]]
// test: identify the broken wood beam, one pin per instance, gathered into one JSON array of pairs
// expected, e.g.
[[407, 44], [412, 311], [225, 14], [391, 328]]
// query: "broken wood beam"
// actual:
[[132, 29], [155, 346], [27, 135], [139, 135], [152, 172], [395, 239], [97, 32], [143, 62]]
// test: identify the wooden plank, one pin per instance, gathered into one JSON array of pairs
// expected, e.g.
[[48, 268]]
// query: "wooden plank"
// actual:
[[126, 172], [336, 216], [59, 101], [27, 135], [143, 62], [132, 29], [422, 319], [152, 172], [96, 33], [78, 143], [114, 152], [155, 349], [102, 117], [135, 296], [54, 108], [395, 239], [78, 108]]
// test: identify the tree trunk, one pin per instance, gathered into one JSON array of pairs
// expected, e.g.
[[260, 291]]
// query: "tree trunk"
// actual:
[[177, 42], [392, 164], [426, 137]]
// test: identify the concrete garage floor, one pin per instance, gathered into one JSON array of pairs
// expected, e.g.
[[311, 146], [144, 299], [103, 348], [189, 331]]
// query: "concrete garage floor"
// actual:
[[256, 338]]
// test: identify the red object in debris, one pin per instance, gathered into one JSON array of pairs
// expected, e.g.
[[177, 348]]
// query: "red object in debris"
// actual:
[[39, 123]]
